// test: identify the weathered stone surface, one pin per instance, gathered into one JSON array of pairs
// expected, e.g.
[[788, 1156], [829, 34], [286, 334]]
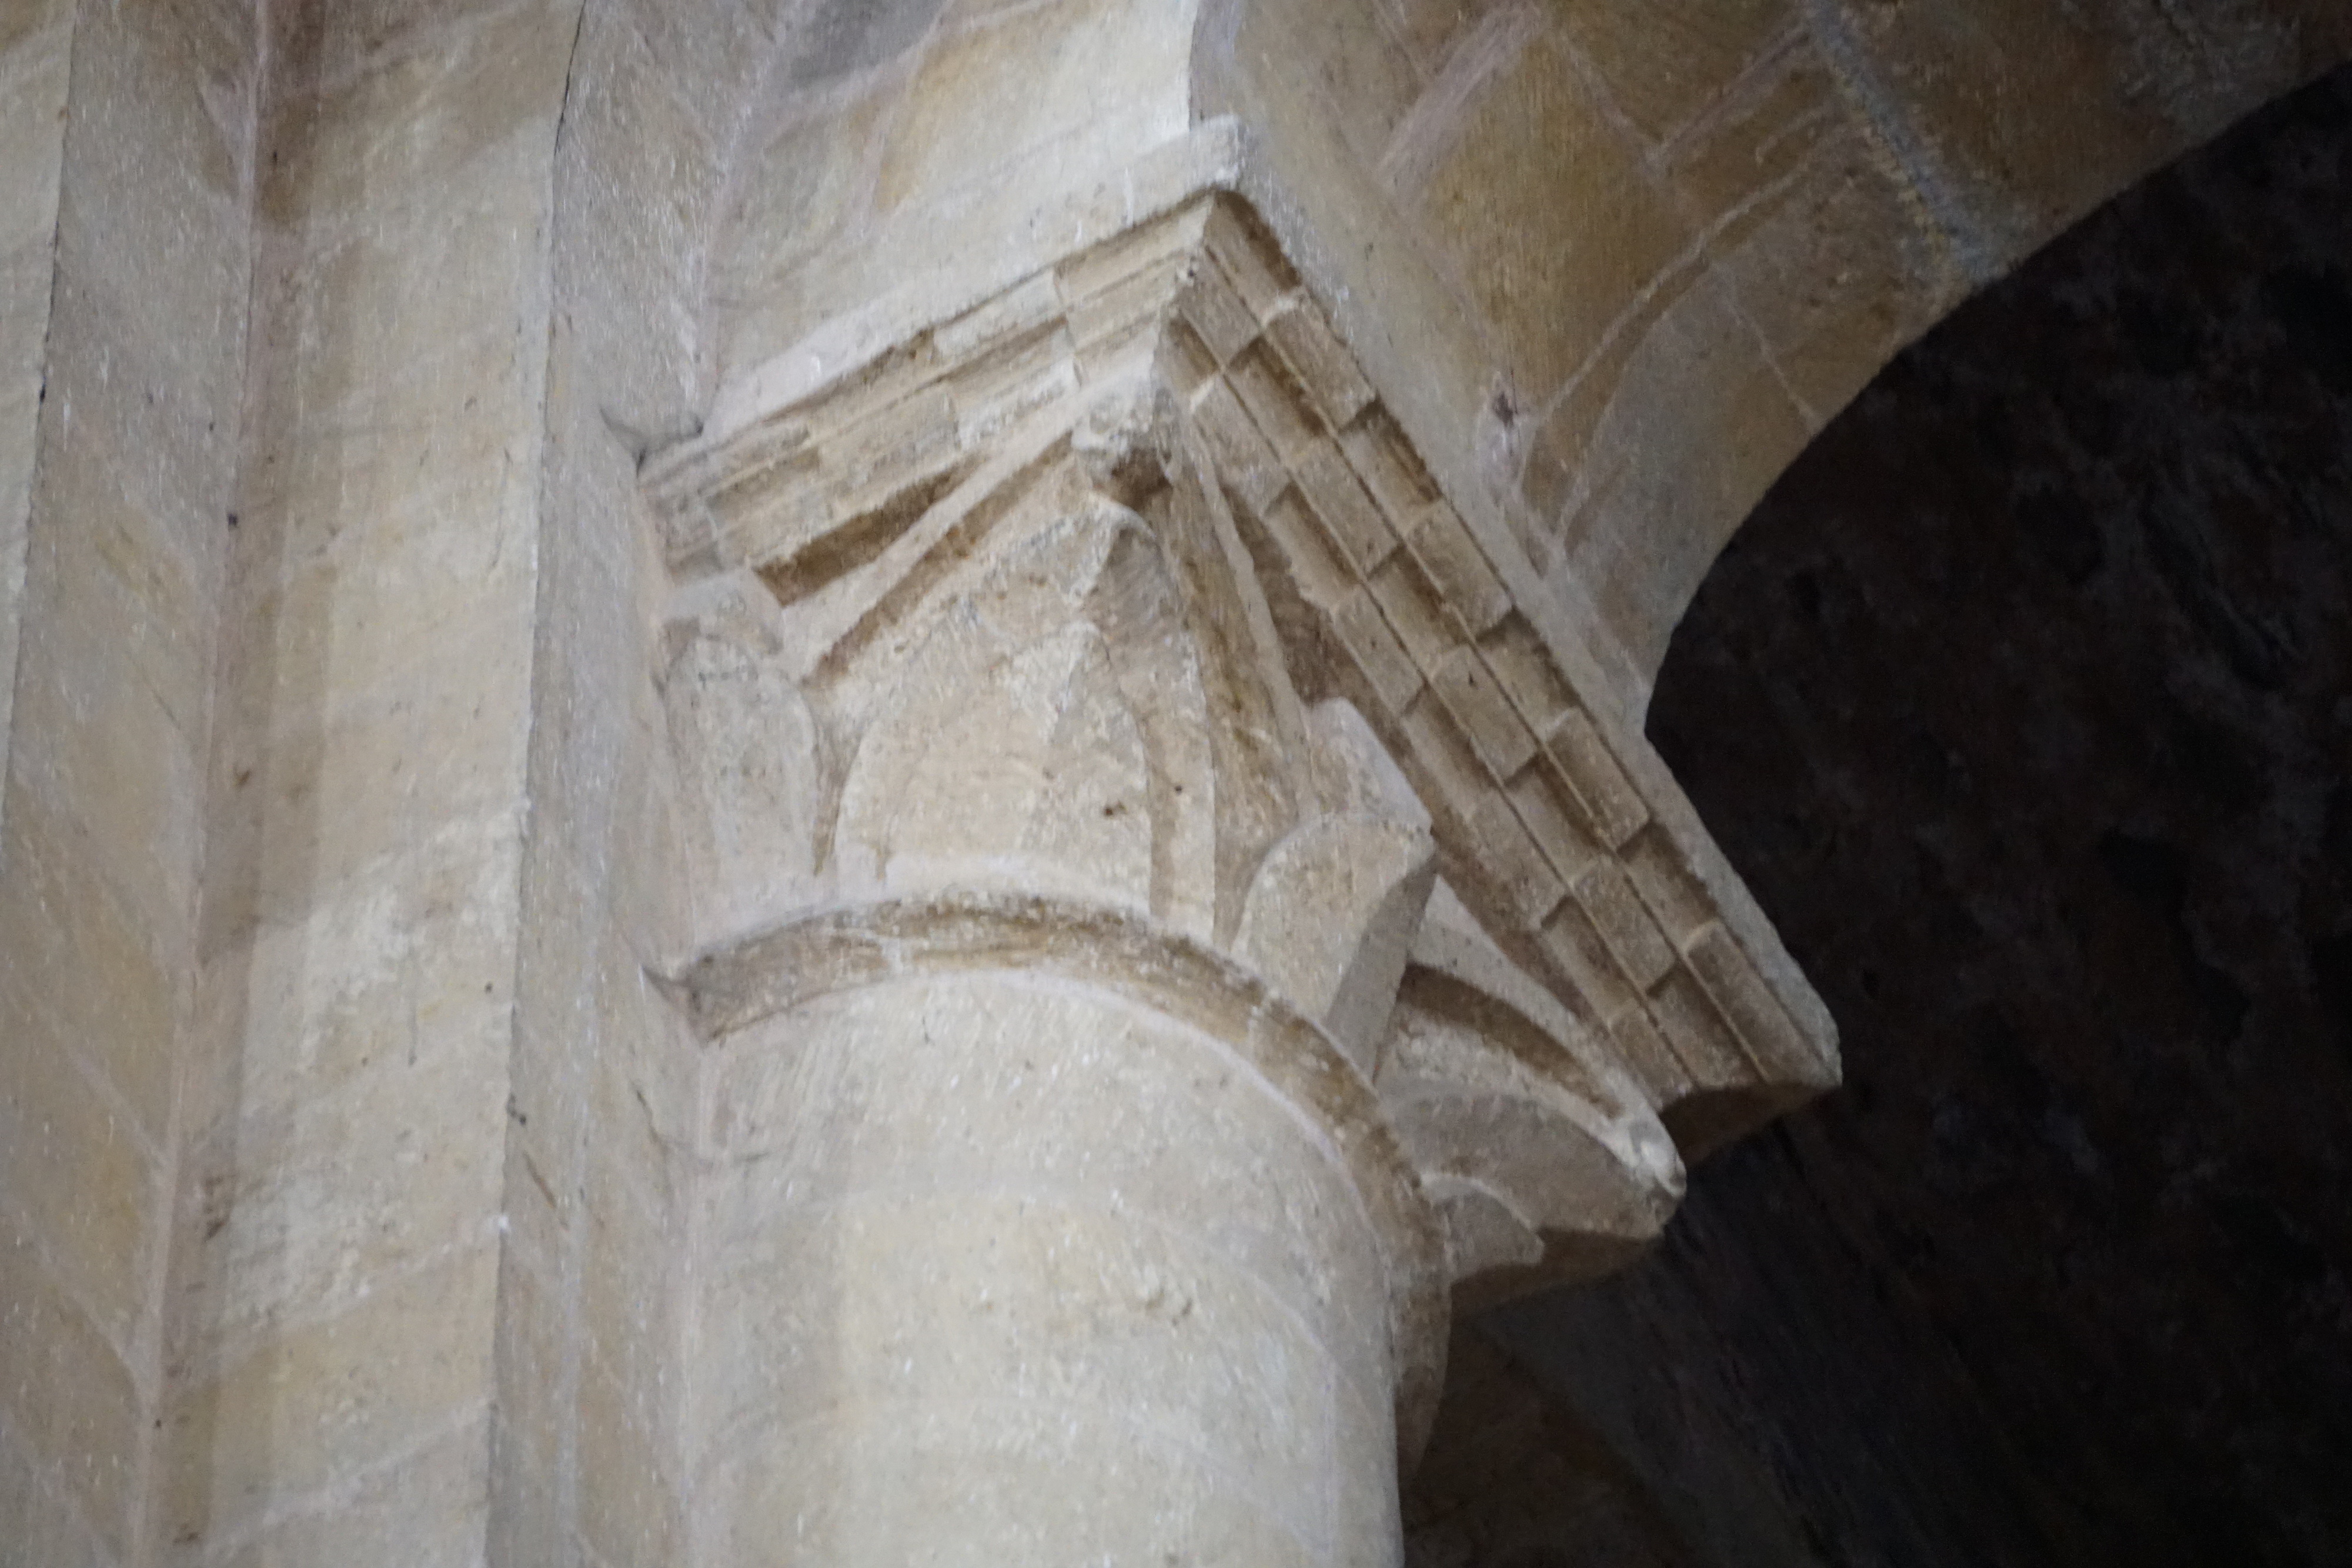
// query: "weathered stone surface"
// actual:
[[117, 461], [1143, 1335], [1573, 241], [931, 661], [336, 1255], [33, 52], [880, 458], [515, 498]]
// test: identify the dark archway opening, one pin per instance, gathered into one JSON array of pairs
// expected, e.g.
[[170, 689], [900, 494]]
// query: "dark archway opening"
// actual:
[[2024, 703]]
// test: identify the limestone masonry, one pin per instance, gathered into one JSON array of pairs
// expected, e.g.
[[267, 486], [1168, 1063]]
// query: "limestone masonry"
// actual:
[[861, 783]]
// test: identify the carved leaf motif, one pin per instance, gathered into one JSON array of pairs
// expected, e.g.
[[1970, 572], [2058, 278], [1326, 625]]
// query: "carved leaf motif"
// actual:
[[1546, 1162], [748, 751], [1047, 732], [1162, 440], [1330, 918], [1334, 907]]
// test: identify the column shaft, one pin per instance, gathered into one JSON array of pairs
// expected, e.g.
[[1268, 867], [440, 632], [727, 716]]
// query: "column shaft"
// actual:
[[1002, 1268]]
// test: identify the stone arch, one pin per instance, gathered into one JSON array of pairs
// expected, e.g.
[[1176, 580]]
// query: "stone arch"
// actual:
[[1740, 212], [1745, 210]]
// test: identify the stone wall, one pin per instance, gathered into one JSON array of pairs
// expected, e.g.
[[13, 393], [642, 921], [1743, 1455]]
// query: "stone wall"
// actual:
[[591, 1398], [102, 829], [335, 1277]]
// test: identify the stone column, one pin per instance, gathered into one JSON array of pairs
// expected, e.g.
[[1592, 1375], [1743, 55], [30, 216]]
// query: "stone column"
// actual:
[[1167, 927], [1043, 1234]]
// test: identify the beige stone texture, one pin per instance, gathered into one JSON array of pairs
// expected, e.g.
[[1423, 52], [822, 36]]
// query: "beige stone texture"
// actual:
[[120, 432], [1111, 633], [591, 1322], [72, 1428], [35, 48], [854, 782], [951, 120], [335, 1273], [1833, 175], [2027, 117], [1143, 1336]]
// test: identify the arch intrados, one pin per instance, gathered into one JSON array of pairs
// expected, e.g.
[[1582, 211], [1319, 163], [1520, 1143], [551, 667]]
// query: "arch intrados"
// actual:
[[1765, 203]]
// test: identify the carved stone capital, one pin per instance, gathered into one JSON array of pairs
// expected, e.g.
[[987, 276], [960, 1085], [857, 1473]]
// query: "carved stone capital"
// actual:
[[1124, 590]]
